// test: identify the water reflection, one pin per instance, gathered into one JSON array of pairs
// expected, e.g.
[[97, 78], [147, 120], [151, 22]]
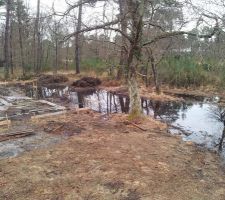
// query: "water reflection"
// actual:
[[217, 112], [194, 117]]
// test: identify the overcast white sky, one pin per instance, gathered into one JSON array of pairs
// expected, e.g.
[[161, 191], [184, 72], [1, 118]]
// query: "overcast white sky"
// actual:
[[59, 4], [92, 15]]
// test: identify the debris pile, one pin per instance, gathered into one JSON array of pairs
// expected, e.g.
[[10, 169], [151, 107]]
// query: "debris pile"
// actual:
[[52, 79], [87, 82], [17, 108]]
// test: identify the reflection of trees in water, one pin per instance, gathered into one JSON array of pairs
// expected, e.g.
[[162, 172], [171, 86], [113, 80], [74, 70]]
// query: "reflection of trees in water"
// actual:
[[36, 92], [114, 102], [44, 92], [168, 111], [124, 104], [80, 98], [218, 113]]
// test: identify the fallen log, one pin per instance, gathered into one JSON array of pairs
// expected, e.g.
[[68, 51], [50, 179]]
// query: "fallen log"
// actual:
[[53, 130], [133, 124], [15, 135]]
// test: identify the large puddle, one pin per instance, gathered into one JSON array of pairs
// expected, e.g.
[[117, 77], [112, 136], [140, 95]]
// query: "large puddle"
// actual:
[[195, 119]]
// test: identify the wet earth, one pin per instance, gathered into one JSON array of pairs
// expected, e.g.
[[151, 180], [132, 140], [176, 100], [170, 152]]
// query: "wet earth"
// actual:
[[194, 118], [110, 159]]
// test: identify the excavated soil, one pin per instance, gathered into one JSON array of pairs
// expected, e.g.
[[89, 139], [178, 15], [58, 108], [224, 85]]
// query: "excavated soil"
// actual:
[[111, 159], [87, 82], [52, 79]]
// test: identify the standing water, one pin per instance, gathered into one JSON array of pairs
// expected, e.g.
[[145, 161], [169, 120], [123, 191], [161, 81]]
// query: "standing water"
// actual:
[[193, 119]]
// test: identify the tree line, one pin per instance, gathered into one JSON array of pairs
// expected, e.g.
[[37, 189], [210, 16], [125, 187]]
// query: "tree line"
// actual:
[[133, 35]]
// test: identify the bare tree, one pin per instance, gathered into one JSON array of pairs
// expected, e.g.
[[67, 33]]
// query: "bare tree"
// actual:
[[136, 42], [78, 39], [7, 35], [20, 27], [37, 40], [124, 25]]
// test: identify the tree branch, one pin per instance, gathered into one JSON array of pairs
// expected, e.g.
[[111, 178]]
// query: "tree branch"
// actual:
[[176, 33], [100, 26]]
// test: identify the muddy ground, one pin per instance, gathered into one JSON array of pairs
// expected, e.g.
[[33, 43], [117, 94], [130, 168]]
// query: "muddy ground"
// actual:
[[107, 159], [101, 157]]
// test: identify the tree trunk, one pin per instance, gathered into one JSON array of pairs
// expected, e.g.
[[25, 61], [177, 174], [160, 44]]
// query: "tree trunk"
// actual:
[[222, 139], [39, 52], [123, 54], [6, 45], [135, 100], [37, 40], [136, 9], [67, 56], [155, 75], [47, 56], [78, 40], [21, 36], [11, 49], [56, 57]]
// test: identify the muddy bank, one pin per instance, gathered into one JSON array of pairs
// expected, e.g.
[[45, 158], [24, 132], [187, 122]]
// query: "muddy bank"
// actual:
[[145, 93], [113, 160], [191, 118], [52, 80], [24, 136], [87, 82], [194, 94]]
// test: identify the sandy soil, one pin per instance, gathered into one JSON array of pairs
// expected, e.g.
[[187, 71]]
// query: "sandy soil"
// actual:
[[110, 160]]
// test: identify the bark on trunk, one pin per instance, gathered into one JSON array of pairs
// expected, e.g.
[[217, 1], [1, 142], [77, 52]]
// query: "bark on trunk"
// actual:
[[136, 8], [154, 70], [47, 56], [123, 55], [37, 40], [135, 100], [11, 49], [67, 56], [78, 40], [21, 37], [222, 139], [155, 75], [56, 57], [6, 45]]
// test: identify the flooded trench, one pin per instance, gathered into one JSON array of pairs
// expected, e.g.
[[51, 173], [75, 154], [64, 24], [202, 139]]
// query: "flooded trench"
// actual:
[[16, 110], [194, 119]]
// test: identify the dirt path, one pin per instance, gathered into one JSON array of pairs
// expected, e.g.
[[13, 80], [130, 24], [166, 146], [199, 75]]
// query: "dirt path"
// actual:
[[110, 160]]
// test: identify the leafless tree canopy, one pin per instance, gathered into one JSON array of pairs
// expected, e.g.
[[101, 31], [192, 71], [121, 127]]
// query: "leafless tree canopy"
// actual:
[[126, 34]]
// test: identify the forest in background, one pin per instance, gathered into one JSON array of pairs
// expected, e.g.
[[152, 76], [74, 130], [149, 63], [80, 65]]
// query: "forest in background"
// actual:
[[143, 39]]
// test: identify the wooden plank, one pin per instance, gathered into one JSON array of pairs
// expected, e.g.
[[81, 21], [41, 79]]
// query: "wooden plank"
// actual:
[[48, 115], [16, 135]]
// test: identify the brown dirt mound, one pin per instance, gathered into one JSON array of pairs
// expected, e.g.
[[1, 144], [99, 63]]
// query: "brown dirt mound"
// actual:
[[87, 82], [49, 79]]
